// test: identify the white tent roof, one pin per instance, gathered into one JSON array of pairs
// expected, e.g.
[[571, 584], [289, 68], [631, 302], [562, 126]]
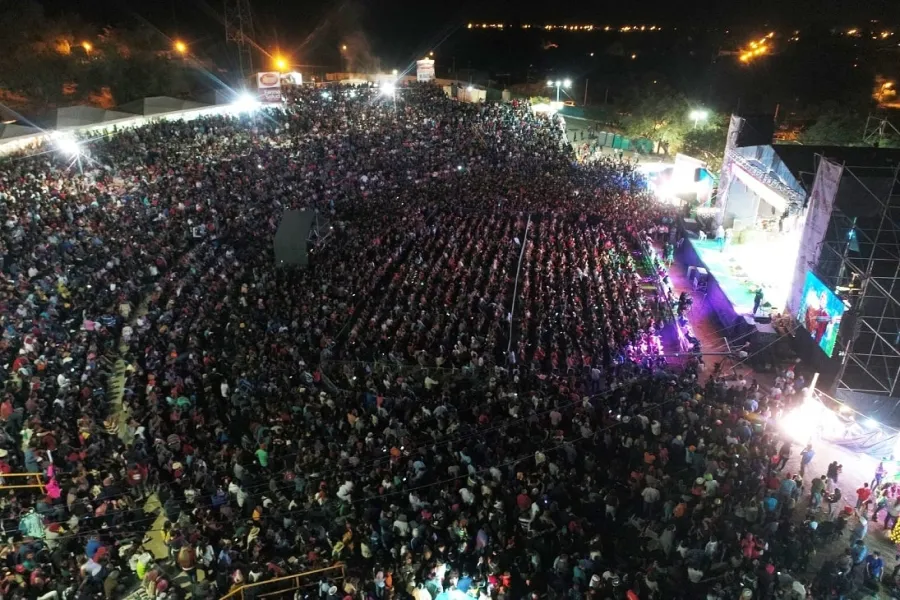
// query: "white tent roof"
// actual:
[[155, 105], [12, 130], [81, 116]]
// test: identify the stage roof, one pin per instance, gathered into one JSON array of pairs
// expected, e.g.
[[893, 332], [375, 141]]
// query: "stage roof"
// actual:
[[865, 161]]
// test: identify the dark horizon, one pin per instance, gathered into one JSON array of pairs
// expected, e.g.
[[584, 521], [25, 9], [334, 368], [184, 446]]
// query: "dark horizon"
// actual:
[[395, 28]]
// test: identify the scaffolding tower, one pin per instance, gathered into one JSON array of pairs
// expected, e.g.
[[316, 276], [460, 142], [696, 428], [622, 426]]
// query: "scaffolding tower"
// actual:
[[860, 259], [877, 129], [239, 31]]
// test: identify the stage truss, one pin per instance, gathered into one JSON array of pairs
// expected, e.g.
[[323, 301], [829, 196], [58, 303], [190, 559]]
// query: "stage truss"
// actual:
[[860, 259]]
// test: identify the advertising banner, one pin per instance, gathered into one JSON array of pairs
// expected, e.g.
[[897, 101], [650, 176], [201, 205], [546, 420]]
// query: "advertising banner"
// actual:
[[815, 224], [268, 85], [425, 70]]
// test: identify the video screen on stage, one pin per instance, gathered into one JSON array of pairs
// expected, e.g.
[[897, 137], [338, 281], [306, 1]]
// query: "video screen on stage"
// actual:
[[820, 313]]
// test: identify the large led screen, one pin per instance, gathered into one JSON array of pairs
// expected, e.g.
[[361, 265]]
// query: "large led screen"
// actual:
[[820, 313]]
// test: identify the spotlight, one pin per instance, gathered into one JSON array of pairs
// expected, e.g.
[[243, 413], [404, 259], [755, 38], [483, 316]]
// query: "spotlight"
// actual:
[[245, 103], [68, 145], [567, 83], [470, 89], [387, 88]]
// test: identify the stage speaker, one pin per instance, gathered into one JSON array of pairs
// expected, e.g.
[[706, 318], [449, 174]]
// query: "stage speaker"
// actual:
[[763, 319]]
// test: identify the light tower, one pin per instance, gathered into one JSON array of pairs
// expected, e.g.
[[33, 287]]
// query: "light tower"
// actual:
[[239, 31]]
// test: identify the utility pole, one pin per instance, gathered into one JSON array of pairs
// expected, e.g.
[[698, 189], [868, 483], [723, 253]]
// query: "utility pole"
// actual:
[[239, 31], [586, 81]]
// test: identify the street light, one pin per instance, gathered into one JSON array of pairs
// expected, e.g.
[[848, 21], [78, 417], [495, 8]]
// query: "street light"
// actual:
[[559, 84], [281, 63], [180, 47], [87, 46], [698, 115], [344, 47]]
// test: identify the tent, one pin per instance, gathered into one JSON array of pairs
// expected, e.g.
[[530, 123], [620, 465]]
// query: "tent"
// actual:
[[84, 116], [156, 105], [8, 132]]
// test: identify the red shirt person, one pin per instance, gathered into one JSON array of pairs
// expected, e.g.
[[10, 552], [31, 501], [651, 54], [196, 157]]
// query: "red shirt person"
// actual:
[[862, 495]]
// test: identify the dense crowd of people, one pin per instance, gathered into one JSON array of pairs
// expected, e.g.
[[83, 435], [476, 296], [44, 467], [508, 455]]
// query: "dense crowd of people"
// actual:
[[447, 401]]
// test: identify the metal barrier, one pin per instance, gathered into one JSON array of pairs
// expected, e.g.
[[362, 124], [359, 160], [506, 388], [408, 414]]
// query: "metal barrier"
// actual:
[[282, 585], [39, 485]]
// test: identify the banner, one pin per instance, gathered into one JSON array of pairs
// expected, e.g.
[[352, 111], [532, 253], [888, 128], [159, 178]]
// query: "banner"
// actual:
[[725, 177], [815, 224], [425, 70], [268, 86]]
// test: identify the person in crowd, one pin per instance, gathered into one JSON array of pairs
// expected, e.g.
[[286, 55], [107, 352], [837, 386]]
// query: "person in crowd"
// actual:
[[463, 391]]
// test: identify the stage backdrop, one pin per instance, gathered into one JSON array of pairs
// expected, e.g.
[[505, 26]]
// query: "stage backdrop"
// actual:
[[814, 224]]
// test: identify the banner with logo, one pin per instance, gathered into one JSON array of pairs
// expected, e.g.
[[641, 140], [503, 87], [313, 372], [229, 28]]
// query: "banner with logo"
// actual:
[[268, 86], [425, 70], [815, 224]]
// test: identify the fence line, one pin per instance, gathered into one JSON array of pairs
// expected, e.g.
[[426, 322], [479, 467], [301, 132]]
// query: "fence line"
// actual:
[[512, 310]]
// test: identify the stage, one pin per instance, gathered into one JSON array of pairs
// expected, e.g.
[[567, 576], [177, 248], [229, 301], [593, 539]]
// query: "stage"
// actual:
[[731, 286]]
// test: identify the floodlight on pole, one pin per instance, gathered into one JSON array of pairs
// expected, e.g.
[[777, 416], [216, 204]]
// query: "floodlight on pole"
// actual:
[[388, 88], [559, 84], [180, 47], [698, 115]]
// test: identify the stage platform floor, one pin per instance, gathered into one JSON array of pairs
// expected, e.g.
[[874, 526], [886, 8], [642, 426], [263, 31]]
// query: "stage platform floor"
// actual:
[[728, 273]]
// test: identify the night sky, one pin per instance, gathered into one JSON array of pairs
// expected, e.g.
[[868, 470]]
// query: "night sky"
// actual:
[[387, 34], [397, 27]]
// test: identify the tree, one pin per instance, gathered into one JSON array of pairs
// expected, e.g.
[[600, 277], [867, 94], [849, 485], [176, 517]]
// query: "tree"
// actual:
[[835, 127], [655, 113], [45, 64], [707, 142]]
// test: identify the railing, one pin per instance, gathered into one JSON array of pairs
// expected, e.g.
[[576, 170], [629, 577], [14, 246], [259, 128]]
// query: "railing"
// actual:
[[779, 186], [39, 485], [282, 585]]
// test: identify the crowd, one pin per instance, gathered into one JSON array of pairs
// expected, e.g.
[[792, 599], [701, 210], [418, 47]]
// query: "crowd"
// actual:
[[388, 408]]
